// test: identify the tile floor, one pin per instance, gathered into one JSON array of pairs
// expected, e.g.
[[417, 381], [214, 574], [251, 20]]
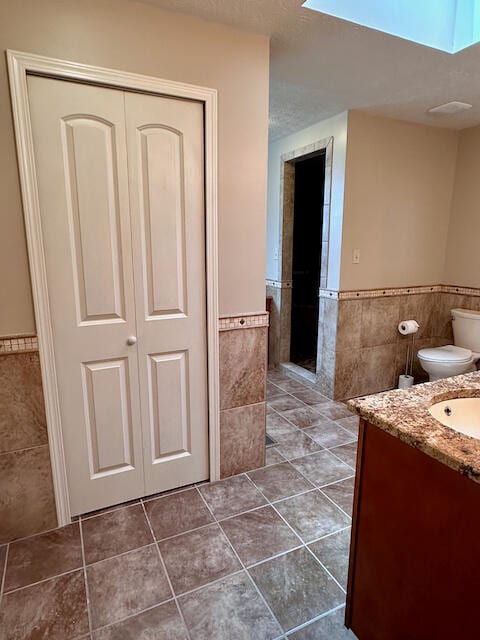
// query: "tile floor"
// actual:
[[260, 556]]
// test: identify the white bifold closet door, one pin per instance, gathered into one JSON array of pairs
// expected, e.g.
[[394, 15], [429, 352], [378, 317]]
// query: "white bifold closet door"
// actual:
[[121, 190]]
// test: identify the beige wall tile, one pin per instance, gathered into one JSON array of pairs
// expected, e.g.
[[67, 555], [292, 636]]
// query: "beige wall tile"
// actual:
[[243, 367], [242, 439], [377, 368], [379, 321], [27, 503], [22, 410]]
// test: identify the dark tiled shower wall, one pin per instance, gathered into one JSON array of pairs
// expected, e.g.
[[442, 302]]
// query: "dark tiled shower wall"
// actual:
[[370, 352], [26, 497]]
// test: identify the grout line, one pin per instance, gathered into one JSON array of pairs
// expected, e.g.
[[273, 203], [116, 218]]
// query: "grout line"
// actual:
[[124, 553], [177, 535], [87, 591], [166, 574], [242, 564], [107, 511], [133, 615], [172, 492], [304, 544], [332, 533], [4, 573], [40, 533], [34, 584], [316, 619]]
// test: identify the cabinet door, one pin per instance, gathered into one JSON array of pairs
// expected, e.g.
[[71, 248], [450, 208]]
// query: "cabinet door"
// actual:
[[81, 164], [165, 140]]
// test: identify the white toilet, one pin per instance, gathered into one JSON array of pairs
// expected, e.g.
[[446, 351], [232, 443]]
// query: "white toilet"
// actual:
[[452, 360]]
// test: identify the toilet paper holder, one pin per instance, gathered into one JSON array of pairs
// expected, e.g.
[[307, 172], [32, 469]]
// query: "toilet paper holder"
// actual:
[[408, 328]]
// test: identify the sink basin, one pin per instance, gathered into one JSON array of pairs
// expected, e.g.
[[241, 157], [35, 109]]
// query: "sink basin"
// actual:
[[460, 414]]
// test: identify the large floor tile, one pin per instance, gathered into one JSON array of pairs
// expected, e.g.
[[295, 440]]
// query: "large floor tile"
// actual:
[[279, 481], [333, 552], [347, 453], [351, 423], [296, 587], [229, 609], [43, 556], [296, 444], [311, 397], [312, 515], [335, 410], [125, 585], [342, 493], [303, 417], [55, 610], [329, 434], [259, 534], [285, 403], [160, 623], [231, 496], [193, 559], [273, 391], [330, 627], [272, 456], [177, 513], [278, 426], [115, 532], [289, 385], [322, 468]]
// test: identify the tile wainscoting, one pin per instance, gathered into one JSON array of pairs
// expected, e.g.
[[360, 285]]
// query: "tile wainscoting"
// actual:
[[359, 348], [370, 352], [243, 374], [27, 503]]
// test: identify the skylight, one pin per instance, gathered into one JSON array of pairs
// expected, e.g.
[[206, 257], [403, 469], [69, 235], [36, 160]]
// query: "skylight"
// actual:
[[448, 25]]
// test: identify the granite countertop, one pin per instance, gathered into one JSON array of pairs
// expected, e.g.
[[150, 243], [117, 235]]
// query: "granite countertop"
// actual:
[[404, 414]]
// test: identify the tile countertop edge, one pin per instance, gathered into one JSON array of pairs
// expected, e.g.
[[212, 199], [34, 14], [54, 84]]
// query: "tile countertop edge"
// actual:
[[404, 414]]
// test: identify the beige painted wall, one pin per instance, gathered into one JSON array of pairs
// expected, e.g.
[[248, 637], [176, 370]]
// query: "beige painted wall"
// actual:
[[462, 263], [336, 127], [398, 193], [143, 39]]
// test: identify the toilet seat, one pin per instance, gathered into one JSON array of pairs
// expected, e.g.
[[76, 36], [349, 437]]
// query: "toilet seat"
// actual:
[[448, 354]]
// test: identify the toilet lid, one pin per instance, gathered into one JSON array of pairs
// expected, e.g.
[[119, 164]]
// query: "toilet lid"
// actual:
[[448, 353]]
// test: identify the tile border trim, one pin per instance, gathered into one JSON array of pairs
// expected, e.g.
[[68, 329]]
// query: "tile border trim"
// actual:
[[246, 321], [279, 284], [18, 344], [397, 291], [28, 343]]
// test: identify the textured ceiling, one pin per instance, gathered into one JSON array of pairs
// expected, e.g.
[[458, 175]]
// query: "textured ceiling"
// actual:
[[321, 66]]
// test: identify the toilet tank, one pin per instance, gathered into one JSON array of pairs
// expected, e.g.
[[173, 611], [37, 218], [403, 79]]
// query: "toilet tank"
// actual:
[[466, 329]]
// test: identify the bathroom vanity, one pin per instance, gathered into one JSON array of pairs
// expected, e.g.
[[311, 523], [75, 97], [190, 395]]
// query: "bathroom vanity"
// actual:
[[415, 550]]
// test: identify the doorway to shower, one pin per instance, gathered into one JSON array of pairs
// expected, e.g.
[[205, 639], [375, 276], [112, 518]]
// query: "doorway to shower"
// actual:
[[306, 259], [296, 335]]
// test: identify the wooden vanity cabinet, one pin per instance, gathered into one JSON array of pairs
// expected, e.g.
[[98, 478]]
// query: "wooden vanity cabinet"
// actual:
[[415, 552]]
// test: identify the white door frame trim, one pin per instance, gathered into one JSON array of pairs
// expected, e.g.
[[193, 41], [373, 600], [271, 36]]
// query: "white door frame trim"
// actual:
[[19, 66]]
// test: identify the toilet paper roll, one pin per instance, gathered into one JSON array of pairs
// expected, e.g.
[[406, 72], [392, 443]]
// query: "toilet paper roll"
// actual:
[[406, 327], [405, 381]]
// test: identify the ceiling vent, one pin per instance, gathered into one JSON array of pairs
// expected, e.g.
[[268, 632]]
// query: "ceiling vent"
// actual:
[[450, 107]]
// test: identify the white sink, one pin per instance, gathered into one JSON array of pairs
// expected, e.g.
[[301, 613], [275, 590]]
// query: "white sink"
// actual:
[[461, 414]]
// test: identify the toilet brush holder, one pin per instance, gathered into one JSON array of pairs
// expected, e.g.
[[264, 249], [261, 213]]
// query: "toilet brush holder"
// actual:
[[405, 381]]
